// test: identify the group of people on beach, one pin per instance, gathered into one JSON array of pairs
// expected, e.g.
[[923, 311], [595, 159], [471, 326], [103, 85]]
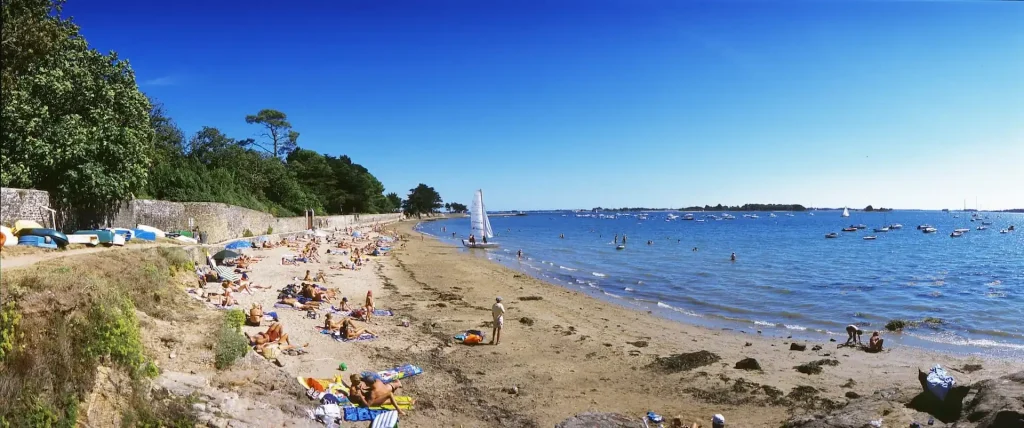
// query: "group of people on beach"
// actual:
[[853, 339]]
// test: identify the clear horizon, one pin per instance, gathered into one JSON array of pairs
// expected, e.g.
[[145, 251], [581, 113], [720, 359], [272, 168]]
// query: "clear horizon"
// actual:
[[912, 105]]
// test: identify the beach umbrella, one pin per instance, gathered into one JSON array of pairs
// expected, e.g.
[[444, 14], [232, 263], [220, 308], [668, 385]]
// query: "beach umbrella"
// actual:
[[226, 273], [238, 245], [357, 234], [225, 254]]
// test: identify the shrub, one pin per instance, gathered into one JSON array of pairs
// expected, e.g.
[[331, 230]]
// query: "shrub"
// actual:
[[270, 230], [9, 319], [236, 319], [231, 345], [247, 233], [114, 332]]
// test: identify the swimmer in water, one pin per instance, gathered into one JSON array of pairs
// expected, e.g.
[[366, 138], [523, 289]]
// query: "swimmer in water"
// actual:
[[520, 254], [733, 257]]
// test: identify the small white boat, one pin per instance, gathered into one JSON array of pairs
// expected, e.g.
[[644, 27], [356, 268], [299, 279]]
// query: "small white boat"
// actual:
[[728, 216], [846, 212], [688, 217], [882, 230], [956, 234], [810, 213], [982, 228], [672, 217], [895, 226], [1004, 231], [772, 215], [700, 221], [832, 235], [620, 247], [479, 224], [961, 230], [92, 240], [924, 226], [754, 216], [790, 215], [929, 230], [869, 238]]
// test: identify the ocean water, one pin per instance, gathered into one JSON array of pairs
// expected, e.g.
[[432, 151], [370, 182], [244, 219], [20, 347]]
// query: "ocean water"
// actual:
[[787, 279]]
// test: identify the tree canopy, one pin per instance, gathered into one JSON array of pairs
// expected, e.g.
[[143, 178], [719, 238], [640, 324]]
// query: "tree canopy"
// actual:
[[75, 123], [422, 199]]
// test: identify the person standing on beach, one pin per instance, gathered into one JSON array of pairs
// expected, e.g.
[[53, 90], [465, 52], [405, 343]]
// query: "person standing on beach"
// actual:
[[498, 313], [369, 306], [520, 254]]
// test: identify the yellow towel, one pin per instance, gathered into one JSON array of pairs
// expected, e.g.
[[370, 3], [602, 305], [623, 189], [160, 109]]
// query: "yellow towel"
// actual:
[[334, 386]]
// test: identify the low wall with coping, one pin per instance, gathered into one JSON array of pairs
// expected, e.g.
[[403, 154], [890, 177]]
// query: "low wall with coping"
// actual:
[[219, 221]]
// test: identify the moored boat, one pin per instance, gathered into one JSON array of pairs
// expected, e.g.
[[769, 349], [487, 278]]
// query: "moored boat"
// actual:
[[924, 226], [962, 230], [479, 224], [832, 235], [956, 234], [895, 226], [849, 229], [929, 229], [870, 238], [37, 241], [106, 237], [882, 230], [55, 236]]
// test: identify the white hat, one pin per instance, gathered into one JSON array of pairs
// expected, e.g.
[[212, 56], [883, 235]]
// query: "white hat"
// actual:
[[718, 419]]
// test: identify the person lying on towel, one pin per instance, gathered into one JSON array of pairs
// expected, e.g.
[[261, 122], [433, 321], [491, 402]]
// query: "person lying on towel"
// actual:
[[293, 302], [350, 331], [367, 394]]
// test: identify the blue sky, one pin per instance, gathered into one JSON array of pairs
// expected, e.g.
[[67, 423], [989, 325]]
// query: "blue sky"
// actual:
[[566, 104]]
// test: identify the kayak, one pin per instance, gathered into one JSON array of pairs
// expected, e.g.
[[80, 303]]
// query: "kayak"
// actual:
[[37, 241], [84, 239], [159, 233], [56, 237], [144, 235], [25, 224], [9, 239], [106, 237]]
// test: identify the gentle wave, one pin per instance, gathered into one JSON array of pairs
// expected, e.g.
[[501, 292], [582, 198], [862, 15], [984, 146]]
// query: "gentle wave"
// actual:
[[598, 274], [567, 268], [628, 289]]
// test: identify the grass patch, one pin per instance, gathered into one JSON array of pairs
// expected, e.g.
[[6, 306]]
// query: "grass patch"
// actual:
[[270, 230], [247, 233], [75, 314], [231, 345]]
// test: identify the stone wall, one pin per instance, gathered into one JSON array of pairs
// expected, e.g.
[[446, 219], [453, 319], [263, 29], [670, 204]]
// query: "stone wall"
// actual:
[[24, 204], [221, 222]]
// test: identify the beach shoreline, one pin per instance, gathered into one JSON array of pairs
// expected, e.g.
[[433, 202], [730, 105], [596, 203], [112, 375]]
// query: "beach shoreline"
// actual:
[[615, 343]]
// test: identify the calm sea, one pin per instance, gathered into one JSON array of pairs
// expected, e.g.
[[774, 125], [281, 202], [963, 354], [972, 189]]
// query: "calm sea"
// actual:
[[788, 279]]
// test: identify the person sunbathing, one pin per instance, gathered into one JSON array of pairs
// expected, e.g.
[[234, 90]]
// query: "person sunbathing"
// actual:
[[308, 277], [320, 277], [332, 324], [227, 300], [345, 307], [380, 393], [293, 302], [350, 331], [255, 315], [274, 334], [875, 343]]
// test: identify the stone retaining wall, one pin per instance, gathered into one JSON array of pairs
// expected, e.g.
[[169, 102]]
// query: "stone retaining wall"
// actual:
[[221, 222], [24, 204]]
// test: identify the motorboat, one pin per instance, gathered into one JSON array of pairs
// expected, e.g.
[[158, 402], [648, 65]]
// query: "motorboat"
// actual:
[[700, 221], [1004, 231], [895, 226], [986, 223], [981, 228], [832, 235], [620, 247], [929, 229], [688, 217], [956, 234], [772, 215], [728, 216], [754, 216], [869, 238], [671, 217], [860, 226], [924, 226], [849, 229], [961, 230], [882, 230]]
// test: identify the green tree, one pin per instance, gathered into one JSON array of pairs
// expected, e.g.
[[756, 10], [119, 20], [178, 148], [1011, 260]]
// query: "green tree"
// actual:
[[74, 122], [458, 208], [394, 202], [283, 139], [422, 199]]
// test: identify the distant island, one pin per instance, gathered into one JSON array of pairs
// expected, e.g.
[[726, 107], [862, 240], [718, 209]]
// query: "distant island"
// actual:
[[719, 207], [1014, 210], [869, 208]]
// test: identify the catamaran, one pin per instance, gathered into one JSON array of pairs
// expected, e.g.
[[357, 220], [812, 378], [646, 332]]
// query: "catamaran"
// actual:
[[846, 212], [479, 224]]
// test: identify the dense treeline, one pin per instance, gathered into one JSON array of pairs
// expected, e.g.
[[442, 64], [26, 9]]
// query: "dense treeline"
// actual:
[[75, 123], [719, 207]]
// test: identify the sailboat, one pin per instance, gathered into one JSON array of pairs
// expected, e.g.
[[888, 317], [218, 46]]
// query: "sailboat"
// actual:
[[479, 224], [846, 212]]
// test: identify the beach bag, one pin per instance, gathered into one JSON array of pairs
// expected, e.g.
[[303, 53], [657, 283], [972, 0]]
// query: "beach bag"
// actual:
[[939, 382], [472, 339]]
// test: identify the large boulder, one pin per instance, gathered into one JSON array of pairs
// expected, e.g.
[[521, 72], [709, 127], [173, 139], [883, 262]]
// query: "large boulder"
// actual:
[[998, 403], [601, 420]]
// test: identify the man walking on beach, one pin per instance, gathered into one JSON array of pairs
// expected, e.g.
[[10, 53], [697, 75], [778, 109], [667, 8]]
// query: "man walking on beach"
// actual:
[[498, 313]]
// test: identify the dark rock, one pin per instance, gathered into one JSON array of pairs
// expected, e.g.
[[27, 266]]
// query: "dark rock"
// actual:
[[684, 362], [526, 320], [832, 339], [527, 298], [850, 383], [814, 367], [748, 364], [600, 420], [748, 344], [639, 343], [797, 347], [851, 394], [998, 403], [970, 368], [816, 348]]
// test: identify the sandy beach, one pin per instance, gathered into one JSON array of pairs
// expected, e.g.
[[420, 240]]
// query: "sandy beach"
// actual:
[[564, 353]]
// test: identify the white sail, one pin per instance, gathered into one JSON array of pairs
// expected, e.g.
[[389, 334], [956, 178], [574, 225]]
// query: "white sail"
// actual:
[[488, 232], [476, 215], [846, 212]]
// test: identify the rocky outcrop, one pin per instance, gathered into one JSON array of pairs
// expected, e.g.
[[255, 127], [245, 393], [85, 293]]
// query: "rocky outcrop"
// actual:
[[600, 420], [994, 403]]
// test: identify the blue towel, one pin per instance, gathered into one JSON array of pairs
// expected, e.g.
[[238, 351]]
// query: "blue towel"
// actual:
[[361, 414], [940, 382]]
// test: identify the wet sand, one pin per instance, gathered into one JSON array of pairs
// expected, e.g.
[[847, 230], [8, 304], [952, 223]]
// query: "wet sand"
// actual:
[[566, 352]]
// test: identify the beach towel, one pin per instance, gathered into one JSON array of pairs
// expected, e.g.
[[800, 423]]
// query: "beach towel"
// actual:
[[358, 414], [335, 387], [939, 382], [401, 372], [337, 336], [376, 312], [388, 419]]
